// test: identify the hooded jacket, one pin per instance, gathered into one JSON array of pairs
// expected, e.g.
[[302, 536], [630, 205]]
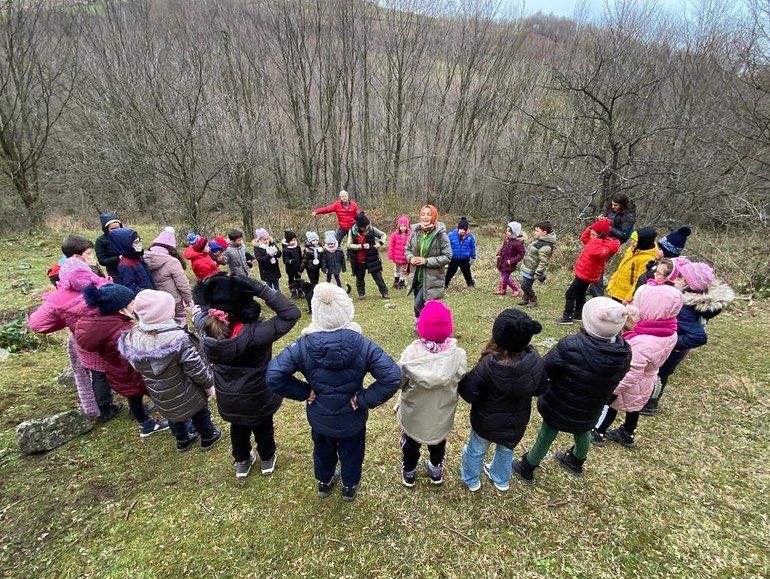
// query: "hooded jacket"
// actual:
[[202, 264], [398, 240], [106, 253], [622, 284], [582, 373], [697, 310], [510, 254], [174, 373], [428, 400], [310, 254], [462, 248], [268, 264], [593, 259], [132, 270], [501, 394], [168, 274], [334, 365], [537, 256], [438, 256]]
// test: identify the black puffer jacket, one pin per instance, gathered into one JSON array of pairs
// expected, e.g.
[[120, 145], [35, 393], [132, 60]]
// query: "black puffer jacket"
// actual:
[[107, 254], [583, 371], [501, 395], [622, 224], [240, 363]]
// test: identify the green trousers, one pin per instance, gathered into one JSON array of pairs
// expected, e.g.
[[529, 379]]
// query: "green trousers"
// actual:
[[545, 439]]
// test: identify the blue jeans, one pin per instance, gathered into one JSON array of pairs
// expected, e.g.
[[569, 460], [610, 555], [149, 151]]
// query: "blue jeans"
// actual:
[[327, 450], [473, 459]]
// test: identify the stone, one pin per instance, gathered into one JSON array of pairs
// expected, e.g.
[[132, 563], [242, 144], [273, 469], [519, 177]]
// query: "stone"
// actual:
[[548, 343], [66, 378], [4, 354], [44, 434]]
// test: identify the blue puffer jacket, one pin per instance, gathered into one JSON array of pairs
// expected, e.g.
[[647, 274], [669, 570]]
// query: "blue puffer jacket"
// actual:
[[334, 365], [462, 249], [132, 270]]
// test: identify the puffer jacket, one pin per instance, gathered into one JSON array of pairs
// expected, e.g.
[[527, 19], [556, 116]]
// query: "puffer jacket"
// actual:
[[334, 365], [428, 399], [582, 373], [356, 241], [346, 214], [311, 254], [333, 262], [174, 373], [501, 394], [596, 252], [106, 253], [168, 274], [397, 246], [202, 264], [234, 256], [292, 259], [240, 363], [622, 284], [268, 264], [697, 310], [438, 256], [622, 224], [538, 253], [509, 255], [132, 270], [99, 336], [464, 248]]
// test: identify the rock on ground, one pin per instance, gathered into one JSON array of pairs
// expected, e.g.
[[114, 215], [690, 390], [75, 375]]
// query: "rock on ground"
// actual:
[[43, 434], [66, 378]]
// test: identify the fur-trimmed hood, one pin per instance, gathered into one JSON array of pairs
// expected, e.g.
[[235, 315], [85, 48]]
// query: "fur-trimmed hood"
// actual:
[[157, 348], [716, 298]]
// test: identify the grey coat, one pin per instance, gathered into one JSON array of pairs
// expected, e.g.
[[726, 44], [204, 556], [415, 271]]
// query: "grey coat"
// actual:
[[439, 256], [235, 258], [173, 371]]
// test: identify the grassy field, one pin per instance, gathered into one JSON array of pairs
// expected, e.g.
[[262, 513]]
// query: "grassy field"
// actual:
[[690, 501]]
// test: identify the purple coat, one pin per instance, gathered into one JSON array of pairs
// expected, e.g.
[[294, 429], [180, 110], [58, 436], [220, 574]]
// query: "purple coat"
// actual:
[[510, 254]]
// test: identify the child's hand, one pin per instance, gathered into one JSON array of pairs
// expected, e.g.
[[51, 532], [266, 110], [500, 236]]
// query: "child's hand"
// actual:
[[354, 402], [365, 246], [311, 398], [209, 393], [541, 278]]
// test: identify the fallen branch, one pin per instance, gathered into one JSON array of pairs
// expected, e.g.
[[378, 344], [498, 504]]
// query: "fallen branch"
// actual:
[[208, 510], [131, 508], [461, 535]]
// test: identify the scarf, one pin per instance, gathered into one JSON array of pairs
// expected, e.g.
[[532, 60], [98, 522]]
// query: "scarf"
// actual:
[[313, 329], [436, 347], [424, 247], [658, 328]]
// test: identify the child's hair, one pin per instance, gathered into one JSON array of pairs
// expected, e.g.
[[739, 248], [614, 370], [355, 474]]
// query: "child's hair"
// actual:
[[234, 234], [665, 266], [493, 348], [216, 328], [545, 226], [75, 245]]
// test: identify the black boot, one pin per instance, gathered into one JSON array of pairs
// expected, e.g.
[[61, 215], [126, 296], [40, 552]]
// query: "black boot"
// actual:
[[567, 460], [524, 470], [395, 281], [650, 408]]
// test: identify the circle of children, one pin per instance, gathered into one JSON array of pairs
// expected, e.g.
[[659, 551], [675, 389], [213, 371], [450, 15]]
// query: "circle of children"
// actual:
[[628, 343]]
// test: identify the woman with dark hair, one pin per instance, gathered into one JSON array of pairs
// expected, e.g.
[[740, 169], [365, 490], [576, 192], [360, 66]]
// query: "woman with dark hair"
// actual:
[[622, 218]]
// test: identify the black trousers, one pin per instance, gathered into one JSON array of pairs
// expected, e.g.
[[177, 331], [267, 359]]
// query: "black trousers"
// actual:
[[136, 405], [360, 270], [575, 298], [526, 287], [201, 421], [630, 423], [240, 438], [313, 275], [411, 451], [465, 267]]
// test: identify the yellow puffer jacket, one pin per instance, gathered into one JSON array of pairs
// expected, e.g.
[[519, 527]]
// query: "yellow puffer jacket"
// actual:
[[623, 281]]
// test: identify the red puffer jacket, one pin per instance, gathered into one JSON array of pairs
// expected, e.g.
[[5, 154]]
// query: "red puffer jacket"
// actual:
[[592, 260], [202, 264], [346, 216]]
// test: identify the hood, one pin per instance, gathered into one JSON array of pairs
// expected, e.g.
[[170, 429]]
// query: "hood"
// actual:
[[657, 302], [402, 221], [190, 253], [600, 354], [122, 239], [155, 348], [228, 350], [439, 227], [334, 350], [157, 257], [433, 371], [509, 378], [91, 331], [79, 279], [549, 238], [717, 297], [108, 217]]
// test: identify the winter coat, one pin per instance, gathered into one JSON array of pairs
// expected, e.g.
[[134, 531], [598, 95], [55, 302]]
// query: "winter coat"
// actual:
[[596, 252], [234, 256], [268, 264], [510, 254], [698, 309], [582, 373], [168, 274], [438, 256], [202, 264], [622, 284], [132, 270], [538, 253], [240, 363], [292, 259], [334, 365], [175, 374], [99, 336], [622, 224], [501, 394], [397, 246], [464, 248], [333, 262], [346, 216], [309, 255], [372, 260], [106, 253], [426, 409]]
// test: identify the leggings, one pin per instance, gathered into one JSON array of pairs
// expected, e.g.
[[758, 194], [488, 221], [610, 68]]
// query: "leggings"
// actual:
[[507, 279], [630, 423], [337, 279], [545, 439]]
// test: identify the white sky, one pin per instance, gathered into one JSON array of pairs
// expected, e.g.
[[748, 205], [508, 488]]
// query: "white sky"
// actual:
[[567, 7]]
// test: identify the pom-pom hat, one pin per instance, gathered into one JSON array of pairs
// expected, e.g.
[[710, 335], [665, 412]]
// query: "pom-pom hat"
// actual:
[[166, 237], [332, 307], [513, 330]]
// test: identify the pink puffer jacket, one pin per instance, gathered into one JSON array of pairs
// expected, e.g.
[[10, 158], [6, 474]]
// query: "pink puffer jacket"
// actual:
[[167, 274], [397, 245]]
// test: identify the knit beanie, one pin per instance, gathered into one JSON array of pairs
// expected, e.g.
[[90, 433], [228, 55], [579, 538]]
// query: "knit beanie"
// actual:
[[602, 227], [656, 302], [463, 223], [192, 238], [311, 236], [332, 307], [673, 244], [515, 228], [109, 298], [645, 238], [200, 243], [231, 294], [678, 263], [402, 221], [154, 307], [289, 235], [513, 330], [166, 237], [433, 213], [330, 237], [699, 276], [219, 243], [603, 318], [435, 322], [260, 233], [72, 264], [362, 220]]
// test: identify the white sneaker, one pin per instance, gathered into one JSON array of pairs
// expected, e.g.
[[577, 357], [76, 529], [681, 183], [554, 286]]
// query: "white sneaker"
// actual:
[[243, 468], [474, 488], [501, 487], [268, 466]]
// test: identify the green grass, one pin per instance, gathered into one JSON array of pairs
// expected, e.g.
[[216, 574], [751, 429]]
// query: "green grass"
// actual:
[[690, 500]]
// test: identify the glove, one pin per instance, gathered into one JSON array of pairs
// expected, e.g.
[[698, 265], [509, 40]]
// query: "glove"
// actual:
[[541, 278]]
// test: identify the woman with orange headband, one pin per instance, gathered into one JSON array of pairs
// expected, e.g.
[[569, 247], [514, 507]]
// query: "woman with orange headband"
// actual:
[[429, 252]]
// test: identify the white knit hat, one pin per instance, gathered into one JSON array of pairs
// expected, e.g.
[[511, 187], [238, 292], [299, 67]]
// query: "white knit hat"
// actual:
[[515, 228], [332, 307], [604, 318]]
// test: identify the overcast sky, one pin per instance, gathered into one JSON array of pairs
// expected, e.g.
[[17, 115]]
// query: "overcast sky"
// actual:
[[567, 7]]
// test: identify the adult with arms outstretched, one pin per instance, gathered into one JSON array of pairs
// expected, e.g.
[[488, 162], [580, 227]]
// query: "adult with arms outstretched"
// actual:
[[346, 211]]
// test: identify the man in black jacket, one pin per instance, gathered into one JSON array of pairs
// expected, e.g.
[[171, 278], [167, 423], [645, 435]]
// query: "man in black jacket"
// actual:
[[107, 254]]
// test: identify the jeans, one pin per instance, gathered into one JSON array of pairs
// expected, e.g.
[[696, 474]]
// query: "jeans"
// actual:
[[202, 422], [473, 459], [136, 405], [337, 279], [575, 298], [410, 449], [341, 233], [273, 284], [545, 438], [327, 450], [465, 267], [419, 302], [526, 287], [240, 438], [102, 389], [360, 270]]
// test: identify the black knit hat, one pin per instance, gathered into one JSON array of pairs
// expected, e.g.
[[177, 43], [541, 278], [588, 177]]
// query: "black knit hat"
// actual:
[[645, 238], [110, 298], [673, 243], [362, 220], [463, 224], [513, 330], [232, 294], [288, 235]]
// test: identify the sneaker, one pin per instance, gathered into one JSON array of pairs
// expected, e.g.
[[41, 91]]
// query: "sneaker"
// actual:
[[563, 321], [408, 477], [111, 411], [349, 493], [325, 489], [151, 426], [243, 467], [386, 296], [502, 487], [268, 466], [597, 438], [435, 473], [621, 436], [650, 408], [361, 296], [569, 463], [185, 445], [208, 443], [523, 302], [475, 487], [524, 470]]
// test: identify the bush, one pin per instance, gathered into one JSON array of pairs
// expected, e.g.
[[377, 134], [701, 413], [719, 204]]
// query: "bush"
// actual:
[[15, 336]]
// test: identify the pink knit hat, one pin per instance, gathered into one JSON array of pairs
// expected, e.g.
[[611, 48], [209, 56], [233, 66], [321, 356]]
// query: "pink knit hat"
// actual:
[[699, 276], [166, 237], [676, 270], [435, 322], [154, 307], [402, 221], [604, 318]]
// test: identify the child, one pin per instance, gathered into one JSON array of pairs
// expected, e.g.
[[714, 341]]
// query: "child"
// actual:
[[508, 256], [239, 346], [583, 369], [670, 246], [235, 256], [267, 253], [167, 270], [652, 339], [218, 245], [500, 390], [704, 297], [364, 254], [396, 250], [106, 253], [589, 267], [334, 357], [463, 253], [431, 368], [535, 261], [197, 253], [292, 262], [98, 336], [177, 379], [640, 252], [311, 257], [132, 270], [332, 258]]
